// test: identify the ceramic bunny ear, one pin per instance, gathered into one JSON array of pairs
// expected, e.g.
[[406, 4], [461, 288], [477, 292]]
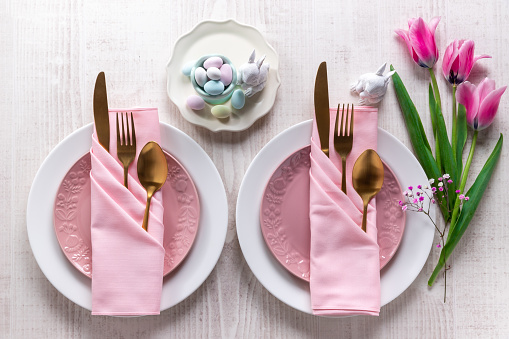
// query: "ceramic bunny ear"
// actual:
[[252, 57], [260, 61], [381, 70], [388, 75]]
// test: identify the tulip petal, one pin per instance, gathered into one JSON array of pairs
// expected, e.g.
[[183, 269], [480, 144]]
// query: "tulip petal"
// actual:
[[488, 108], [433, 24], [467, 95], [423, 43], [482, 56], [404, 35], [466, 60], [450, 54], [411, 21], [485, 87]]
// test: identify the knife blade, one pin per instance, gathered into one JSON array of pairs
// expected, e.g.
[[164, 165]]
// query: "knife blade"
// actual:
[[101, 118], [322, 115]]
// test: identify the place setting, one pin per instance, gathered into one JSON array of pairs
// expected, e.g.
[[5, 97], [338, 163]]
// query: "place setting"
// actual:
[[127, 216], [303, 209]]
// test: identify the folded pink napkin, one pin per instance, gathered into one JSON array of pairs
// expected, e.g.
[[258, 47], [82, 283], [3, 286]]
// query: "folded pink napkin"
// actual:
[[127, 271], [345, 265]]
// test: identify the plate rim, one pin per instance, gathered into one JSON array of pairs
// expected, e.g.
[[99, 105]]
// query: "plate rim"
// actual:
[[301, 287], [203, 123], [212, 232]]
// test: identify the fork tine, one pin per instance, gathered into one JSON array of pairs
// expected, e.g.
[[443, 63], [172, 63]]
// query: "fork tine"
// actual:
[[351, 123], [123, 130], [127, 126], [337, 120], [134, 132], [346, 123], [118, 132], [342, 119]]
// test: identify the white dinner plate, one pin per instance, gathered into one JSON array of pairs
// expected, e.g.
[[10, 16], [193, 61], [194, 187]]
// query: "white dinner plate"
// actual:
[[176, 286], [399, 273], [236, 42]]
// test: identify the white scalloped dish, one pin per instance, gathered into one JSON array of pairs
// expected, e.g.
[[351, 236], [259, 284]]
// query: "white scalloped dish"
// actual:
[[235, 41]]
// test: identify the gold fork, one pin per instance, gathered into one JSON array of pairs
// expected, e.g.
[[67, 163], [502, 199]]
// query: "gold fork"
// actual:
[[343, 140], [126, 146]]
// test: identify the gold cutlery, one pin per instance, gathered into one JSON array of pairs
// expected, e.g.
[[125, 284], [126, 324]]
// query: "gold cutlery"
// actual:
[[343, 140], [367, 178], [322, 115], [152, 173], [101, 118], [126, 144]]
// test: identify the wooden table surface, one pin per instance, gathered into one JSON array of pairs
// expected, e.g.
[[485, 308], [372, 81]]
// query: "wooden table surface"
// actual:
[[51, 52]]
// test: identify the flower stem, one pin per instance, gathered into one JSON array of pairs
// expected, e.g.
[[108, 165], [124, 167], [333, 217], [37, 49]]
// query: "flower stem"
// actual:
[[435, 88], [454, 124], [464, 176]]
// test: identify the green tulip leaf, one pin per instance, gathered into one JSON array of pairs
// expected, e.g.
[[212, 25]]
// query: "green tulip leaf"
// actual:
[[468, 209], [448, 161], [417, 135], [461, 137]]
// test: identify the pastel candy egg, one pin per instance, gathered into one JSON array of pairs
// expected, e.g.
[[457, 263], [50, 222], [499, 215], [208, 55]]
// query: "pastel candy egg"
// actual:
[[213, 62], [195, 102], [221, 111], [214, 73], [238, 99], [186, 70], [226, 74], [214, 87], [200, 75]]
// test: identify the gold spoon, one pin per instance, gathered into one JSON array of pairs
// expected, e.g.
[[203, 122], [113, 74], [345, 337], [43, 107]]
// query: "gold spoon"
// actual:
[[367, 178], [152, 172]]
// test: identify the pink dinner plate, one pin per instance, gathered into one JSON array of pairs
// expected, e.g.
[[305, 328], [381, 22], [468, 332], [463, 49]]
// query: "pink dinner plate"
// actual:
[[284, 214], [72, 215]]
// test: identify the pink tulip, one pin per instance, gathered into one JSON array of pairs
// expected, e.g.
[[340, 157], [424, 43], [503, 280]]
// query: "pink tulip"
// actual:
[[420, 40], [459, 60], [481, 102]]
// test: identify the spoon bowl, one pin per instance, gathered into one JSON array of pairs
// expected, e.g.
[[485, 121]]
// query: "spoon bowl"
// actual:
[[152, 173], [367, 178]]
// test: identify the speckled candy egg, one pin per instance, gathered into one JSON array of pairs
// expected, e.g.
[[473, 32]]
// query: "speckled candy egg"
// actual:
[[221, 111], [200, 75], [238, 99], [195, 102], [226, 74], [213, 62], [214, 73], [214, 87]]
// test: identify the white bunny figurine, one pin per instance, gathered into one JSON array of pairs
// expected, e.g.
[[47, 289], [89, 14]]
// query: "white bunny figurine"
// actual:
[[253, 75], [371, 87]]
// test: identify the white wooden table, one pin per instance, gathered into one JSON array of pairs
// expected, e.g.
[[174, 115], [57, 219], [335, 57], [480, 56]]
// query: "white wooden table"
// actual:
[[51, 52]]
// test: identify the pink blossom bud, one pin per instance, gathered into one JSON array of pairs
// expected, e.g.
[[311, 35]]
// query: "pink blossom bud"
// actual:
[[440, 189], [458, 191], [461, 197], [466, 198]]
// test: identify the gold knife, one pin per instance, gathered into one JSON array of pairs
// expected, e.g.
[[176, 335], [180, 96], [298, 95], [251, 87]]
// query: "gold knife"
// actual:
[[322, 115], [101, 118]]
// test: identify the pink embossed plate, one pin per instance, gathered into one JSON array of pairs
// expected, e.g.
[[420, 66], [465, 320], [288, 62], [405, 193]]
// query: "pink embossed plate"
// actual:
[[72, 215], [284, 214]]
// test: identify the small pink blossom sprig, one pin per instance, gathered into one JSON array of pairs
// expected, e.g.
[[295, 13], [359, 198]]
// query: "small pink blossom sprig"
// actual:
[[415, 201]]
